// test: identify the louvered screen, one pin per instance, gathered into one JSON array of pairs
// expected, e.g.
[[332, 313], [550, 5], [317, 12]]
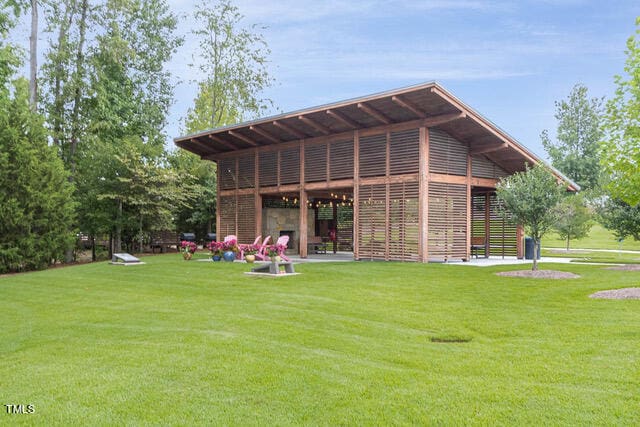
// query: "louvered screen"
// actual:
[[246, 172], [373, 155], [482, 167], [246, 219], [227, 213], [268, 168], [446, 154], [315, 163], [502, 232], [404, 154], [341, 160], [227, 169], [447, 221], [372, 222], [345, 228], [478, 219], [403, 221], [290, 166]]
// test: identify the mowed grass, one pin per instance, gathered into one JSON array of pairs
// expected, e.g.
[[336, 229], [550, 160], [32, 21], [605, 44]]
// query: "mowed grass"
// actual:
[[196, 343], [598, 238]]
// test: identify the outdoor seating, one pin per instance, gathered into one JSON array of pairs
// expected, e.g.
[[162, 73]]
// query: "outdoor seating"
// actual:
[[255, 243], [478, 243], [262, 253], [283, 240], [316, 244]]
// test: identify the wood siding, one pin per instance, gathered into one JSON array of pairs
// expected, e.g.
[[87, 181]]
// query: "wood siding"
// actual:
[[447, 221]]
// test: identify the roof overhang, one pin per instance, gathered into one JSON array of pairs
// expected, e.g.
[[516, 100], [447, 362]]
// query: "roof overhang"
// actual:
[[428, 104]]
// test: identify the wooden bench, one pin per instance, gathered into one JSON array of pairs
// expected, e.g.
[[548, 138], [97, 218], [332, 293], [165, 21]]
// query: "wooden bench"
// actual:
[[163, 240], [478, 243], [317, 245]]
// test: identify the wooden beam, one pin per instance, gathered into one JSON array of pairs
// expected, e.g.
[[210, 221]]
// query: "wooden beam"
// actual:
[[484, 182], [374, 113], [264, 134], [442, 119], [448, 179], [469, 207], [243, 138], [342, 118], [205, 148], [488, 149], [317, 126], [302, 250], [407, 105], [289, 129], [221, 141], [356, 195]]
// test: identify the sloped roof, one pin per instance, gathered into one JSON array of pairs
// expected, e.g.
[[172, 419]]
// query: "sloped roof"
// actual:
[[428, 102]]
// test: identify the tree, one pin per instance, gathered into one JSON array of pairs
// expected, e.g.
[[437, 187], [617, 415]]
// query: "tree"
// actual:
[[233, 62], [621, 218], [33, 57], [36, 208], [621, 124], [531, 197], [575, 153], [574, 218]]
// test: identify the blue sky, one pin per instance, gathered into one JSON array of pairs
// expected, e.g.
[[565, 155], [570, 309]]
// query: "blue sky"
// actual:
[[509, 60]]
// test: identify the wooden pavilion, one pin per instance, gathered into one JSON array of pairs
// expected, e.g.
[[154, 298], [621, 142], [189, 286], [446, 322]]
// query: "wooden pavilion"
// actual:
[[414, 168]]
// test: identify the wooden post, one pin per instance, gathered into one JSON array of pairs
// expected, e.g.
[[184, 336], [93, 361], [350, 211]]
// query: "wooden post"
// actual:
[[303, 207], [335, 225], [356, 195], [387, 198], [469, 173], [423, 196], [487, 225], [520, 242], [256, 196], [218, 175]]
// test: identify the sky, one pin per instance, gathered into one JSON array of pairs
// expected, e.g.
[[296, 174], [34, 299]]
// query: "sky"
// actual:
[[508, 60]]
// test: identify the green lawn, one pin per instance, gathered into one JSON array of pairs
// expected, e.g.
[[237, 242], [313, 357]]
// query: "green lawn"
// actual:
[[184, 343], [598, 238]]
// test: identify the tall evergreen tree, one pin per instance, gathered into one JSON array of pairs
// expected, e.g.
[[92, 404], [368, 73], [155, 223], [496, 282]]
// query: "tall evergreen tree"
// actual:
[[575, 153]]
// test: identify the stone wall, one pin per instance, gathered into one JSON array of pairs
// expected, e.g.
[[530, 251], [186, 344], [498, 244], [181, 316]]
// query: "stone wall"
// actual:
[[275, 220]]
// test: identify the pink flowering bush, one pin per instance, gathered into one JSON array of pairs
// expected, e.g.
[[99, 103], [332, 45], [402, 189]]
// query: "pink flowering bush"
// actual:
[[215, 248], [276, 250], [190, 247], [230, 245], [250, 249]]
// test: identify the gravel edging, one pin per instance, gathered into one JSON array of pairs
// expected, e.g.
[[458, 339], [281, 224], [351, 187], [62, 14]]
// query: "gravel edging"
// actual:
[[539, 274], [624, 293]]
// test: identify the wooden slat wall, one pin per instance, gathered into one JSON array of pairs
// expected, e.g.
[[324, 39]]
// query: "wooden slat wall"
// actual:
[[481, 167], [503, 233], [403, 221], [315, 163], [227, 213], [372, 222], [345, 228], [447, 221], [341, 160], [246, 172], [246, 230], [404, 152], [290, 166], [373, 151], [268, 168], [446, 154], [478, 218], [227, 173]]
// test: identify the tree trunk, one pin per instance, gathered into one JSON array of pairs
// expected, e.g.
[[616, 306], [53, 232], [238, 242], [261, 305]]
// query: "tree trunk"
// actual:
[[33, 54], [567, 243], [140, 239], [536, 244], [117, 238], [75, 125], [93, 248]]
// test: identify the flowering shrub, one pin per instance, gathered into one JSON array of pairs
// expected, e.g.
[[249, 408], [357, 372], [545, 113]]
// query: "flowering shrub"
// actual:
[[230, 245], [216, 248], [250, 249], [188, 246], [275, 250]]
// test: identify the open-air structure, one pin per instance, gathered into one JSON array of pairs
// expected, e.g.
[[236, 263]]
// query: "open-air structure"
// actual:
[[408, 174]]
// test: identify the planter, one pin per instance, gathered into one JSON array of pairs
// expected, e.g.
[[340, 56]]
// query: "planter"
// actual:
[[229, 256], [276, 258], [216, 257], [187, 255], [250, 259]]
